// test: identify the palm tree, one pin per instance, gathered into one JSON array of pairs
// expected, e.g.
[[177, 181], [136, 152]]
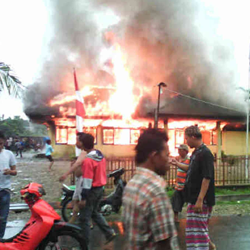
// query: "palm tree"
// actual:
[[8, 81]]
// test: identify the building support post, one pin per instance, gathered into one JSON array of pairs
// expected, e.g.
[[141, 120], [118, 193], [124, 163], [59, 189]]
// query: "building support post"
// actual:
[[160, 85], [247, 140], [165, 122], [219, 136]]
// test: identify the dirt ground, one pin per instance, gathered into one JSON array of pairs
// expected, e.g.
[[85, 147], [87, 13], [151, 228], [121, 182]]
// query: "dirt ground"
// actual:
[[30, 169]]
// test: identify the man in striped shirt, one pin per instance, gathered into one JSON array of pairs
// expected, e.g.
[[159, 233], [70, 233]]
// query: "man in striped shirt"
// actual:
[[178, 198], [147, 212]]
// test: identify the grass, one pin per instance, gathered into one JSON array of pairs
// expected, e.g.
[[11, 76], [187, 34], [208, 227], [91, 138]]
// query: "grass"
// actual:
[[232, 191], [220, 191], [246, 202]]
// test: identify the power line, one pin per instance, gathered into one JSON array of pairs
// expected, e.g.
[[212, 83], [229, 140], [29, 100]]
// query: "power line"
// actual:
[[199, 100]]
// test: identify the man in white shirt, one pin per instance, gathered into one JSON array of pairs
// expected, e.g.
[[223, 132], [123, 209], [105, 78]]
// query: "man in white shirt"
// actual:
[[7, 168]]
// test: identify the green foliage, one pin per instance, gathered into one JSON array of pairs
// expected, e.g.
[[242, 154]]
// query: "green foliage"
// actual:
[[170, 191], [232, 190], [230, 159], [19, 127], [243, 202], [8, 81]]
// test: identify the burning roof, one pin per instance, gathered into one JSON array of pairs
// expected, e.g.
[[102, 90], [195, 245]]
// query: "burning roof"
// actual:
[[119, 65]]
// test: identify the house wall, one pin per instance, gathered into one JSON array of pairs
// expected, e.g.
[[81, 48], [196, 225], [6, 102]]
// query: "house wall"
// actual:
[[234, 142], [67, 151]]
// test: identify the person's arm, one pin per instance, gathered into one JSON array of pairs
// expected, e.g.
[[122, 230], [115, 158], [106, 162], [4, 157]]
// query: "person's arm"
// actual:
[[11, 171], [202, 194], [12, 164], [72, 169], [182, 166]]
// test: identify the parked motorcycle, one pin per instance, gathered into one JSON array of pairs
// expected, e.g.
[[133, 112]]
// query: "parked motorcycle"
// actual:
[[44, 230], [109, 204]]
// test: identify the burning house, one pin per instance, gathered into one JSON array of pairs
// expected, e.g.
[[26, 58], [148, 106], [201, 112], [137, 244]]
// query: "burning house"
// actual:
[[116, 117], [118, 69]]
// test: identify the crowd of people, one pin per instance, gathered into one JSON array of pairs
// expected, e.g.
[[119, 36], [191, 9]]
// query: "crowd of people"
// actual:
[[148, 216], [20, 144]]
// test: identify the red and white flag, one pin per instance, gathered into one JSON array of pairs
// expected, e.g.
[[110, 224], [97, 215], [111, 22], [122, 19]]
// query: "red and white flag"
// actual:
[[80, 112]]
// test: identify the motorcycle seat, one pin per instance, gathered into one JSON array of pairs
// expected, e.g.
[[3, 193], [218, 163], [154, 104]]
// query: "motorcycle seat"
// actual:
[[67, 190], [117, 173]]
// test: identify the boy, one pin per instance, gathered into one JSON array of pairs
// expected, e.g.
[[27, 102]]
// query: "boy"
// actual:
[[48, 151]]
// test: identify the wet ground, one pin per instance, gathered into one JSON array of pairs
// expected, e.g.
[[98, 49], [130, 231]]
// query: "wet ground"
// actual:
[[227, 232]]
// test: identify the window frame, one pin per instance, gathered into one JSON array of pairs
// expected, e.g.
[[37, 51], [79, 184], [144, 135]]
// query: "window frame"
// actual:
[[67, 127], [113, 128]]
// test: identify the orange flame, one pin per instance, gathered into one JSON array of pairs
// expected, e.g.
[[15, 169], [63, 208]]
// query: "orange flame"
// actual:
[[121, 102]]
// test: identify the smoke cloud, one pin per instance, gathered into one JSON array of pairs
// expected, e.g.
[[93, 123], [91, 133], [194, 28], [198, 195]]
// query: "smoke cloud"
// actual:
[[176, 42]]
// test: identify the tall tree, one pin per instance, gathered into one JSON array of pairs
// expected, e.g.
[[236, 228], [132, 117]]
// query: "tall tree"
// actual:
[[9, 81]]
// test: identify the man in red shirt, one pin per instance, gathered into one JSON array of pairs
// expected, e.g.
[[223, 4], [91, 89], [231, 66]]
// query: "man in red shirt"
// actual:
[[93, 180]]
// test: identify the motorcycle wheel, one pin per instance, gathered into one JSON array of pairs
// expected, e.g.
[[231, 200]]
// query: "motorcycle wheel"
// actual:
[[66, 240], [67, 210]]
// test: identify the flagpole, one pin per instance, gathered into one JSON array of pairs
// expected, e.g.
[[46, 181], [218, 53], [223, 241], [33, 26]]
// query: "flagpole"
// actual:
[[80, 112]]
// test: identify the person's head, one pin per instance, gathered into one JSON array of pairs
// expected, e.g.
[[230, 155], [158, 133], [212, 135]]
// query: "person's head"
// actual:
[[2, 140], [193, 136], [87, 141], [79, 139], [183, 150], [152, 151], [48, 142]]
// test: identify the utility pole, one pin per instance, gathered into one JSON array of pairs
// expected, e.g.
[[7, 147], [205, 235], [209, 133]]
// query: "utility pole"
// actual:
[[160, 85], [247, 137], [247, 126]]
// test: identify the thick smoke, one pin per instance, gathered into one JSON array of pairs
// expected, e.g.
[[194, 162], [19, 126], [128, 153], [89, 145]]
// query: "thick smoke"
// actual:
[[165, 41]]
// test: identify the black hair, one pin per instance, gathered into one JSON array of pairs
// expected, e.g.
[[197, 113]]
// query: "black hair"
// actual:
[[151, 140], [193, 131], [87, 140], [2, 135], [48, 142], [81, 135]]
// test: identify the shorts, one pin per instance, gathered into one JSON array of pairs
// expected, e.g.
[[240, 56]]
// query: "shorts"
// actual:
[[77, 196], [178, 200], [49, 157]]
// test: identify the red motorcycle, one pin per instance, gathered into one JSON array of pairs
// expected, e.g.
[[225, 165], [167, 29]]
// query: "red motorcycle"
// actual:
[[44, 230]]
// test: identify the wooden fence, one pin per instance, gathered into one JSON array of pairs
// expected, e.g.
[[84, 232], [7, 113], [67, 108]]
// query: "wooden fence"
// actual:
[[229, 171]]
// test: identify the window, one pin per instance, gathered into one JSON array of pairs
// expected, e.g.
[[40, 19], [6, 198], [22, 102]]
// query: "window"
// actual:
[[206, 137], [61, 135], [108, 136], [134, 136], [179, 137], [67, 135], [120, 136], [71, 136]]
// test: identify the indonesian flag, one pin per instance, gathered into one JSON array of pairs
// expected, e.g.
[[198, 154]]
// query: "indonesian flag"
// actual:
[[80, 112]]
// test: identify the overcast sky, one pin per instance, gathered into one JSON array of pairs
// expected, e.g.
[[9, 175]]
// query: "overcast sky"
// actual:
[[25, 35]]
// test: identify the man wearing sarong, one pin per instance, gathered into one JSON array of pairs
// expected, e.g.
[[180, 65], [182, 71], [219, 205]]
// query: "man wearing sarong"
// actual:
[[199, 192]]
